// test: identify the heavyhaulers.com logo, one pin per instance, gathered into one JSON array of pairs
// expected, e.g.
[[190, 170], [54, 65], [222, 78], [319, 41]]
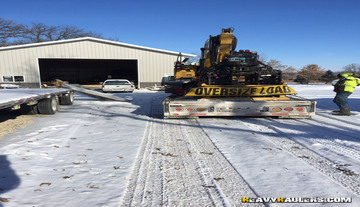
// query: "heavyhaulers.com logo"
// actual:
[[294, 200]]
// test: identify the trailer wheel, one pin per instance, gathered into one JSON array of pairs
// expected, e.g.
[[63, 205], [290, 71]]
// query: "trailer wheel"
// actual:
[[67, 99], [29, 109], [48, 105]]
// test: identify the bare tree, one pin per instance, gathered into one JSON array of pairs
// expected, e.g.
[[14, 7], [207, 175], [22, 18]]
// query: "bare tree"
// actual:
[[311, 72], [353, 68], [289, 73], [12, 33], [39, 32], [9, 30], [262, 57], [36, 33], [276, 64]]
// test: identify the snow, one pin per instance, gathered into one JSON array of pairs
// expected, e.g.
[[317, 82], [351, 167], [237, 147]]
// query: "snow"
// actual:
[[9, 86], [111, 153], [17, 94]]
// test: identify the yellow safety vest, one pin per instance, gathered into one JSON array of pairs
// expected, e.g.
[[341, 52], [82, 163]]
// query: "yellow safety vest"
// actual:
[[350, 83]]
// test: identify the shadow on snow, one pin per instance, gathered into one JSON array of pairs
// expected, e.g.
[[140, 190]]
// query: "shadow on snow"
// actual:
[[8, 178]]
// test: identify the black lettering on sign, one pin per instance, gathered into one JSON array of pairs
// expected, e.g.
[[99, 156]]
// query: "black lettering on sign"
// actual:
[[224, 92], [286, 89], [262, 90], [270, 90], [198, 91], [216, 91], [246, 91], [253, 90], [278, 89], [207, 91], [232, 91], [239, 92]]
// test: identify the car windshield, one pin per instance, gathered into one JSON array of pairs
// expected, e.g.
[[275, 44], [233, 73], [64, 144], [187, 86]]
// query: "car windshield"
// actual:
[[117, 83]]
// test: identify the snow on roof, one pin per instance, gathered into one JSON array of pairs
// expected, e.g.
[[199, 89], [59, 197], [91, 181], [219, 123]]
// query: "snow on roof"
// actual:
[[94, 40]]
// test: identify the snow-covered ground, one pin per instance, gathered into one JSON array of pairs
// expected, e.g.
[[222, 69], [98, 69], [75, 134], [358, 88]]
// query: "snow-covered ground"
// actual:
[[109, 153]]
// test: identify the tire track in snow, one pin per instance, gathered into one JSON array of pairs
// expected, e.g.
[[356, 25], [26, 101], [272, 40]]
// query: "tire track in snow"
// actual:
[[345, 130], [178, 165], [340, 174], [227, 180], [341, 120], [322, 131]]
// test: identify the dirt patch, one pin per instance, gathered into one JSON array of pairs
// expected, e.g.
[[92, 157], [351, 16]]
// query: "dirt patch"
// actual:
[[12, 121]]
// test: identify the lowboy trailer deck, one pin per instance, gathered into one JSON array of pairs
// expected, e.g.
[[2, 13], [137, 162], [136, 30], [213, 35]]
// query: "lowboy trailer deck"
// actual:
[[33, 101]]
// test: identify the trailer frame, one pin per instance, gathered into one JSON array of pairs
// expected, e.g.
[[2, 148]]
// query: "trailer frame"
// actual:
[[33, 101], [287, 107]]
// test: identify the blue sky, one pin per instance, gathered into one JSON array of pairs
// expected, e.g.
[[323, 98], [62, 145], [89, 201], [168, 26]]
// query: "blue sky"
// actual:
[[297, 33]]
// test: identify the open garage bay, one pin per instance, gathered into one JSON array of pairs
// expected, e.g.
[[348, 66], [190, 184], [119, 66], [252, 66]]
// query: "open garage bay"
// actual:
[[87, 71]]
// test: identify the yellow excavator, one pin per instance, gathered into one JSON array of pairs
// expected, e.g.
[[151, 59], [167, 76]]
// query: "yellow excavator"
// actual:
[[227, 82]]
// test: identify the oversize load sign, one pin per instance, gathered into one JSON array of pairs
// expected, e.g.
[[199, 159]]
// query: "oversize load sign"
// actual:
[[241, 91]]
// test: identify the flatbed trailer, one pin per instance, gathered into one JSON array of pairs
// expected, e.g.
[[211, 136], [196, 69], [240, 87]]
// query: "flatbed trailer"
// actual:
[[33, 101], [281, 107]]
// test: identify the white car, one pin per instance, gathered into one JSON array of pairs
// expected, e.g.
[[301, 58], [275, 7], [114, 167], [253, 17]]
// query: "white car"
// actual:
[[118, 85]]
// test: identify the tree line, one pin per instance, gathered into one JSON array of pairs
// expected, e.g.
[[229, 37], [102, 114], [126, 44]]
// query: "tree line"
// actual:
[[13, 33], [311, 72]]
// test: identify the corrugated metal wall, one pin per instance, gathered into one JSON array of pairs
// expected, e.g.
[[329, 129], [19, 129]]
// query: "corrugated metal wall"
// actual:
[[23, 61]]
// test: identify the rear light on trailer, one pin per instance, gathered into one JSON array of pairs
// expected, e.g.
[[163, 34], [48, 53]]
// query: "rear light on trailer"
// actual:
[[276, 109], [190, 109], [200, 109], [288, 109], [299, 109], [178, 109]]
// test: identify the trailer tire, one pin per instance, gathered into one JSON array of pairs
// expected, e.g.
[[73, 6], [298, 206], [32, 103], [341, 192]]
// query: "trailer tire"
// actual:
[[29, 109], [48, 105], [67, 99]]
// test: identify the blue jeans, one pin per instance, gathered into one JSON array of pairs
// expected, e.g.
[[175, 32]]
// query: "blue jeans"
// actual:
[[341, 99]]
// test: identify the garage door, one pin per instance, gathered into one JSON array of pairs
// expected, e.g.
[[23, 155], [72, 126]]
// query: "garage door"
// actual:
[[87, 71]]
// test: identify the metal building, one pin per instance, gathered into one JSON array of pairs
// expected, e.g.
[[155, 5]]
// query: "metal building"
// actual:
[[84, 60]]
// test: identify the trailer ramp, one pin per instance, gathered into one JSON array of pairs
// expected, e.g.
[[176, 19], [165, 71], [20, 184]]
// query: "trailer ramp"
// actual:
[[96, 94]]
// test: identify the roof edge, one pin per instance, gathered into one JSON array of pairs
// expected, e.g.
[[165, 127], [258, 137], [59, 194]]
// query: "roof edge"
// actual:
[[96, 40]]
